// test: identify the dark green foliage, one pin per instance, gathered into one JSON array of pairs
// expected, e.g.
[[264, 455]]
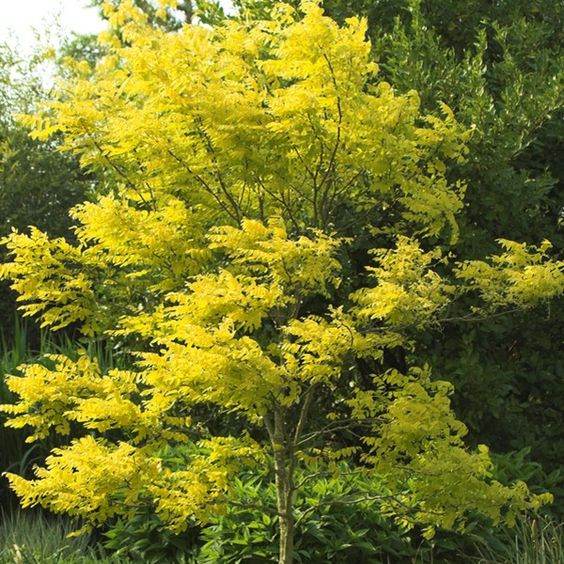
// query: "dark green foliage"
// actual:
[[38, 184], [518, 465], [144, 538], [339, 520], [508, 84], [339, 516], [508, 377]]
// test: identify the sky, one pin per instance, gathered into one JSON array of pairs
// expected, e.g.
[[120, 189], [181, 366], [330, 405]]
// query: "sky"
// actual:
[[19, 19], [30, 26]]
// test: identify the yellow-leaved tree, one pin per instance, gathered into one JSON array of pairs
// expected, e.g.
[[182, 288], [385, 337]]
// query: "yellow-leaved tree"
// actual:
[[256, 169]]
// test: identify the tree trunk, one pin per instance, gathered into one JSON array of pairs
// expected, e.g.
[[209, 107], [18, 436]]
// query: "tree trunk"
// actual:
[[286, 525], [284, 469]]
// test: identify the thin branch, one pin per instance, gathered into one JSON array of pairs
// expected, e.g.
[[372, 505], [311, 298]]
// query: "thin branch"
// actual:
[[339, 425], [211, 152], [437, 322], [475, 318], [321, 148], [323, 473], [342, 190], [332, 159], [304, 412], [204, 184], [258, 506], [282, 201], [351, 500]]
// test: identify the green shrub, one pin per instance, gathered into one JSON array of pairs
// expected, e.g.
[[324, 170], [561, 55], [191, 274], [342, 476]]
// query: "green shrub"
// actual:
[[144, 538], [338, 520], [517, 465]]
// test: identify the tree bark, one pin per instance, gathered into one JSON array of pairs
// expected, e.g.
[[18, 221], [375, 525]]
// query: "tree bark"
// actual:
[[284, 471]]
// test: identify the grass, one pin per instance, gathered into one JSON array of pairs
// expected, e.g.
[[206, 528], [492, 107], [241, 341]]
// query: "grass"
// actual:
[[36, 538], [532, 541], [30, 537]]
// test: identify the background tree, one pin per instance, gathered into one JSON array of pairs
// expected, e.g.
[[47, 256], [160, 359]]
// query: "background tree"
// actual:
[[38, 183]]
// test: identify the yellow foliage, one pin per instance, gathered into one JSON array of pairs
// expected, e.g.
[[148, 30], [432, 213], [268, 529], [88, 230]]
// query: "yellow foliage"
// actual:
[[86, 478], [407, 292], [522, 276], [419, 447], [43, 277], [237, 156], [255, 119]]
